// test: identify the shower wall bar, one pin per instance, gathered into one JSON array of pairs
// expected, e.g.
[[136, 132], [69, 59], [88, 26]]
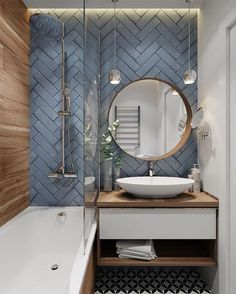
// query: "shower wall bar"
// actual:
[[51, 27]]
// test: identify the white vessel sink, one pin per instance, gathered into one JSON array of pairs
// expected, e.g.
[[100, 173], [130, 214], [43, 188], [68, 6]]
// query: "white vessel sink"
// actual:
[[155, 187]]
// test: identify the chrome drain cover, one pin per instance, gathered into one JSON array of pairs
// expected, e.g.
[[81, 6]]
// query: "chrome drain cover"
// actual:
[[54, 267]]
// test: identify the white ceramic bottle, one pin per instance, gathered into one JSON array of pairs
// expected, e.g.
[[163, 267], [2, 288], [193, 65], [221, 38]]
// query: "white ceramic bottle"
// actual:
[[196, 177]]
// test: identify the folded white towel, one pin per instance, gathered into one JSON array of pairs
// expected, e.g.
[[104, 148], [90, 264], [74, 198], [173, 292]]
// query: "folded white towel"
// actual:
[[136, 249], [143, 246], [131, 252], [131, 256]]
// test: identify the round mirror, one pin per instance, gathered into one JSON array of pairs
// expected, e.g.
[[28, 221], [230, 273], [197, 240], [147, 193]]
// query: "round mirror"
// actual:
[[154, 119]]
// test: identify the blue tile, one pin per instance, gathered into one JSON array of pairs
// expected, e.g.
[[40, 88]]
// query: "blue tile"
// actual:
[[45, 132], [47, 103], [150, 43]]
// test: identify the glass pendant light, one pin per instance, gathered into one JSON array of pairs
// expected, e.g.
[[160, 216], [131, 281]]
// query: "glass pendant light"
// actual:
[[114, 74], [190, 75]]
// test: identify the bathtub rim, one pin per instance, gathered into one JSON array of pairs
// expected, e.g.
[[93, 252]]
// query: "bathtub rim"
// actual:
[[31, 209]]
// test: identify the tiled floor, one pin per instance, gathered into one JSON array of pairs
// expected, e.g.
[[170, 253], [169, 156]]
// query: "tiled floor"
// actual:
[[149, 280]]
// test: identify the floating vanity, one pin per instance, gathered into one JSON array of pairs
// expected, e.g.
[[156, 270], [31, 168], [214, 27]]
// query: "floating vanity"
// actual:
[[184, 228]]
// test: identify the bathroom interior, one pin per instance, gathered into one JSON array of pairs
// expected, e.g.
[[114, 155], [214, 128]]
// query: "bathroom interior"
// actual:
[[117, 146]]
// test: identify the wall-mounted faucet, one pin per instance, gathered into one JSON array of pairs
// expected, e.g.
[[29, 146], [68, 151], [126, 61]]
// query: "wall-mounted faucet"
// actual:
[[151, 170]]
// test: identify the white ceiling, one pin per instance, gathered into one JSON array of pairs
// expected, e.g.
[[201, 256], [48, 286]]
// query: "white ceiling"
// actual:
[[108, 3]]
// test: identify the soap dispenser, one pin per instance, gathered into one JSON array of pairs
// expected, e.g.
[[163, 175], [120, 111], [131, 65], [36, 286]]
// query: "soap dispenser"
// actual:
[[196, 177]]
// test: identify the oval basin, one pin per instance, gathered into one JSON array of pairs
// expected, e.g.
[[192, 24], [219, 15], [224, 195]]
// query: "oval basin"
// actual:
[[155, 187]]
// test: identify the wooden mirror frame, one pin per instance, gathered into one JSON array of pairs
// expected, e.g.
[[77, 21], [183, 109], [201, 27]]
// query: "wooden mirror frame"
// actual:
[[188, 127]]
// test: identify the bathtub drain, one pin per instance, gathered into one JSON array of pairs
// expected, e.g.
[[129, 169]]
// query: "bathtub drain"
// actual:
[[54, 267]]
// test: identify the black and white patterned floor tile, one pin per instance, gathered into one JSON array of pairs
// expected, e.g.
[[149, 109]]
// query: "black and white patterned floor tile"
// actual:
[[149, 280]]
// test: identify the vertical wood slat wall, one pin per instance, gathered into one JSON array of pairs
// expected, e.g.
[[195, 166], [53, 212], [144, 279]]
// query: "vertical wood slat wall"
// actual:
[[14, 108]]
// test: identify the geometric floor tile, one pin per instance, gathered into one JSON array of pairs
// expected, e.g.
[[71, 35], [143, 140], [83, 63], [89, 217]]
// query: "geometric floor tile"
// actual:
[[149, 280]]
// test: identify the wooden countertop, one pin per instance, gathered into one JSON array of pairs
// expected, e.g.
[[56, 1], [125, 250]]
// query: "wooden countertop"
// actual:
[[122, 199]]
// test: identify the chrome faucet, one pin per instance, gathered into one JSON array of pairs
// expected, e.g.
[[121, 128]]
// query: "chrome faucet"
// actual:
[[151, 169]]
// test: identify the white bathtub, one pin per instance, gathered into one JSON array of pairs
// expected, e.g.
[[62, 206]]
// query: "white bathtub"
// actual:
[[35, 240]]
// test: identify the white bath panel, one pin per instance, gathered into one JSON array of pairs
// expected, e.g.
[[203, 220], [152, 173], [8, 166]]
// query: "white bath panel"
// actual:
[[151, 280]]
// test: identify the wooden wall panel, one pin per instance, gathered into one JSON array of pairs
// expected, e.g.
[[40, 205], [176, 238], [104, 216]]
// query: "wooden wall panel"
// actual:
[[17, 17], [1, 56], [14, 109], [12, 88], [14, 42], [15, 67], [13, 113], [13, 208]]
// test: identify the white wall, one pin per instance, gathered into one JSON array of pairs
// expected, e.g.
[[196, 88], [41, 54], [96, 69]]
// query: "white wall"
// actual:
[[214, 18], [232, 145]]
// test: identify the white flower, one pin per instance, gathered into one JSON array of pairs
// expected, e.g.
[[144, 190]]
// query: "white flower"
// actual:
[[108, 139]]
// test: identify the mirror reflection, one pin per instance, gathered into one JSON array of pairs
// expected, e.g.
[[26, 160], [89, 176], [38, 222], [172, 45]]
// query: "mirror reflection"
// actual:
[[152, 118]]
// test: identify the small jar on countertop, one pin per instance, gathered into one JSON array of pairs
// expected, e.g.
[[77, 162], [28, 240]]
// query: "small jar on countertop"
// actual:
[[195, 172]]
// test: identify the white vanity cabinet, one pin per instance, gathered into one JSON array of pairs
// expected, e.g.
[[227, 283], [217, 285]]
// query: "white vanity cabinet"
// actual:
[[157, 223], [184, 228]]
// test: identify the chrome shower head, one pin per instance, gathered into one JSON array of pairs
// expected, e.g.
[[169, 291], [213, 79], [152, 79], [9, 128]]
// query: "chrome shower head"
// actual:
[[47, 25]]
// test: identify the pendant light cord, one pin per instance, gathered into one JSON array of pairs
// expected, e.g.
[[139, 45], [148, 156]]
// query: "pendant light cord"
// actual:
[[189, 34], [114, 25]]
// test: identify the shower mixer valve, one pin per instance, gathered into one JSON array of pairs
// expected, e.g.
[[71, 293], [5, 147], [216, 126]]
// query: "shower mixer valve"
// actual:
[[59, 175], [63, 113]]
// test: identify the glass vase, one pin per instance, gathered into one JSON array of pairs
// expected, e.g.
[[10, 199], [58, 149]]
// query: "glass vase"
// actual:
[[116, 176], [107, 175]]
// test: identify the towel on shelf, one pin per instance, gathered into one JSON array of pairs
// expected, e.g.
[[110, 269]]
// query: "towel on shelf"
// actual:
[[143, 246], [135, 257], [136, 249]]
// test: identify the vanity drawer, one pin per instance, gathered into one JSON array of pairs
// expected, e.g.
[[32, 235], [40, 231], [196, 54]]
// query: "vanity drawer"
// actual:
[[157, 223]]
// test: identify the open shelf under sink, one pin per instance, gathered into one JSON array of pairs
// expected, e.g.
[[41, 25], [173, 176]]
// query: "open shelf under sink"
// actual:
[[169, 252]]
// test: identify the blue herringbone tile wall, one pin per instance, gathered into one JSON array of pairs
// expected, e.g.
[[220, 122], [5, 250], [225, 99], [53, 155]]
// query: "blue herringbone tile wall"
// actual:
[[46, 102], [151, 43]]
